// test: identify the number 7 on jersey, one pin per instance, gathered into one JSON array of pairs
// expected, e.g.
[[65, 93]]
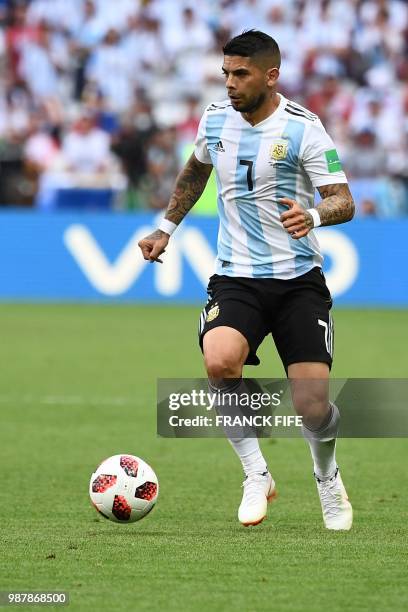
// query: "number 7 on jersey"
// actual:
[[246, 162]]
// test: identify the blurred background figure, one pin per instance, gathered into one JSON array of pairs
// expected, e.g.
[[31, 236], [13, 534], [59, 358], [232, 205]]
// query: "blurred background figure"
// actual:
[[83, 161], [366, 158], [162, 167], [112, 73], [41, 151], [86, 149], [146, 69]]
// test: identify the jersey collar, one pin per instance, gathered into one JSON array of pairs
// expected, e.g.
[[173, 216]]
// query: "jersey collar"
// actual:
[[276, 112]]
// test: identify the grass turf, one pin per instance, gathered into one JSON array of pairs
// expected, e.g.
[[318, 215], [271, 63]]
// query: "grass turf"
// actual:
[[78, 384]]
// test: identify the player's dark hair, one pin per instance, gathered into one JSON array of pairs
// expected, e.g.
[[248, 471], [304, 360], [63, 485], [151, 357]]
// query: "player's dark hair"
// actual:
[[253, 43]]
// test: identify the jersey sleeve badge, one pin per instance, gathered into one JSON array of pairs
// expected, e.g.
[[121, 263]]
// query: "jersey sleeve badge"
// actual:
[[333, 162]]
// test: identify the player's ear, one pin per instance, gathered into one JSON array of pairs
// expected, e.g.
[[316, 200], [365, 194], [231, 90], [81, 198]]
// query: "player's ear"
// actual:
[[272, 75]]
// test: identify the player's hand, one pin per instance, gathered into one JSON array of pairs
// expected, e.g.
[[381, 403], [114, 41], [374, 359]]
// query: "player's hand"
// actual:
[[296, 221], [153, 245]]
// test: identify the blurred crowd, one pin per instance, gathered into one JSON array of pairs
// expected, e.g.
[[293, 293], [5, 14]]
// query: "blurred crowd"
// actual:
[[107, 94]]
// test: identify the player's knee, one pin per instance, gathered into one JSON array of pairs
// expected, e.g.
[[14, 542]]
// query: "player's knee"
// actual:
[[222, 366], [313, 408], [310, 398]]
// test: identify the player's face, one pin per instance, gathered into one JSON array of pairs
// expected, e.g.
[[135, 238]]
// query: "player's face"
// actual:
[[248, 85]]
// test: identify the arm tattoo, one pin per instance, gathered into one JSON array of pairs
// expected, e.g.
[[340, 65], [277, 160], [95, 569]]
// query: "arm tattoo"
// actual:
[[156, 235], [337, 204], [189, 186], [309, 221]]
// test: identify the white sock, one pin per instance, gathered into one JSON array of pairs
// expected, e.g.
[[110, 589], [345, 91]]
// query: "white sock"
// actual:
[[250, 454], [322, 444], [324, 458], [246, 447]]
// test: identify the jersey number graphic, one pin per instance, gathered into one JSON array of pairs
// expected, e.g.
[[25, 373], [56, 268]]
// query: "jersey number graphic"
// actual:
[[328, 334], [246, 162]]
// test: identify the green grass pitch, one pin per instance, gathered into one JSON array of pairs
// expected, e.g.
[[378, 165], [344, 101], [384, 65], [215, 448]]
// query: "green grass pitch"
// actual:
[[78, 384]]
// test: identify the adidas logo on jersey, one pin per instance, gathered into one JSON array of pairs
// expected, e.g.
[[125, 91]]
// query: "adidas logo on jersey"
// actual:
[[219, 147]]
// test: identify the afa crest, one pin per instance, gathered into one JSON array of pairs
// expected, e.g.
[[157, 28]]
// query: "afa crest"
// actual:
[[213, 313], [279, 149]]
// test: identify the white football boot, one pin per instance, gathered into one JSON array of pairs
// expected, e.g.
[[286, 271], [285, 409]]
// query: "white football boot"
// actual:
[[336, 508], [259, 489]]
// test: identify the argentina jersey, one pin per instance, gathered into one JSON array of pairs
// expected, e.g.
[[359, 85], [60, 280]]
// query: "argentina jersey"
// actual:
[[288, 154]]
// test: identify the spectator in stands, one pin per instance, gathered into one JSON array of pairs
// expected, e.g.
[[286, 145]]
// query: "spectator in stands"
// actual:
[[144, 48], [326, 41], [14, 114], [58, 14], [285, 30], [235, 14], [162, 165], [85, 161], [42, 145], [384, 115], [38, 68], [131, 145], [88, 34], [86, 148], [92, 28], [40, 153], [365, 158], [110, 70], [18, 34], [332, 100], [187, 129], [189, 51]]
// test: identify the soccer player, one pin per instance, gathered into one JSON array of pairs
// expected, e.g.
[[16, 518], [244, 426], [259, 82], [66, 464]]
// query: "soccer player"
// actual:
[[269, 154]]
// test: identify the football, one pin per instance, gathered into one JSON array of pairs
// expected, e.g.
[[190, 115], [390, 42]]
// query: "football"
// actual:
[[124, 488]]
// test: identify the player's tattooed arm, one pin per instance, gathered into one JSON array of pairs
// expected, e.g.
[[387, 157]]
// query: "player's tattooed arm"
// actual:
[[337, 205], [189, 186]]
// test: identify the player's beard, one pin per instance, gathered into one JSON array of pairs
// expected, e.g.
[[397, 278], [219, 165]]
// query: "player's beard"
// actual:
[[252, 105]]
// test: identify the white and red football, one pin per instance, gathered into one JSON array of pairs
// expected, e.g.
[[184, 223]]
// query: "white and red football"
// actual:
[[124, 488]]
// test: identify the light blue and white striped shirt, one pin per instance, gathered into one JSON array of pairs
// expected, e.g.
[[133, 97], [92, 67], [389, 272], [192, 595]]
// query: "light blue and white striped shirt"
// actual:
[[287, 154]]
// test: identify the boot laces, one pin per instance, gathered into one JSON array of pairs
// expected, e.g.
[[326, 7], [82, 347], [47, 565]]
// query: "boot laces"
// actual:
[[252, 487]]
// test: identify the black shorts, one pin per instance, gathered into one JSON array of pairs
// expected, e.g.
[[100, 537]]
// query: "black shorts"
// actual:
[[296, 312]]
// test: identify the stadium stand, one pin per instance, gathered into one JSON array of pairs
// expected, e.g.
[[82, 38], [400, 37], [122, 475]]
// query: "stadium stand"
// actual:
[[106, 95]]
